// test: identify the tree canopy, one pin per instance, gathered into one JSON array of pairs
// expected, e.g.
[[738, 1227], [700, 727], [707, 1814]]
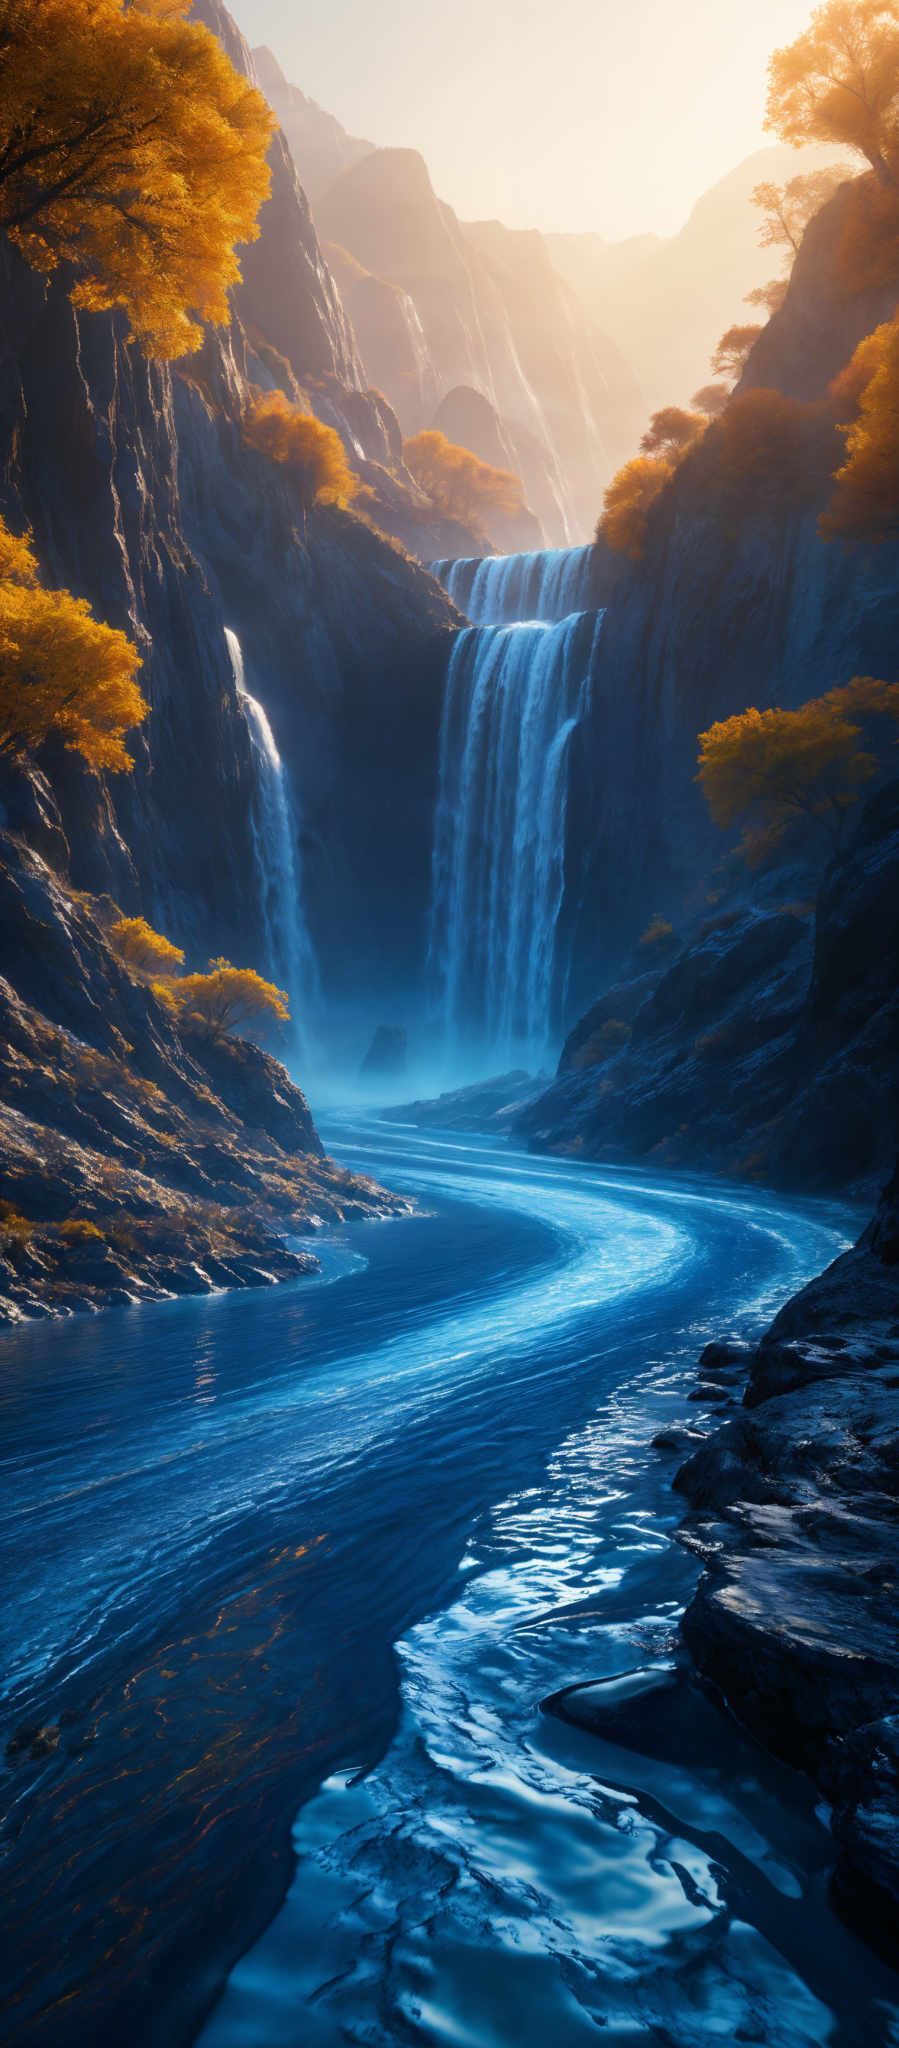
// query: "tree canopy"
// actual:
[[459, 483], [60, 669], [865, 504], [132, 150], [771, 768], [312, 452], [226, 998], [628, 502], [672, 431], [733, 348], [839, 82], [711, 400], [787, 209], [145, 951]]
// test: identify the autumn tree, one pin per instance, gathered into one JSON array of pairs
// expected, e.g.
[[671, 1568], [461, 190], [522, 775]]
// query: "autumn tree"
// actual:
[[768, 297], [227, 999], [61, 671], [628, 502], [458, 483], [311, 452], [865, 504], [144, 950], [770, 769], [735, 345], [839, 82], [132, 151], [711, 400], [787, 209], [671, 432]]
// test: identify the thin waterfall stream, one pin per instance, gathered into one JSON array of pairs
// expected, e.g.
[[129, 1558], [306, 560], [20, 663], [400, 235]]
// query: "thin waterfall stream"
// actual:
[[291, 955]]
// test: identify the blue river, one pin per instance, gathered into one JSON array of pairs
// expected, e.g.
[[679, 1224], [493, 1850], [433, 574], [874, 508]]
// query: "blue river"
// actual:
[[290, 1574]]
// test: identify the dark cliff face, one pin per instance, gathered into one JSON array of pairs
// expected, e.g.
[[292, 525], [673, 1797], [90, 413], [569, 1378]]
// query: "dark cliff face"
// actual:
[[144, 498], [737, 601], [762, 1046]]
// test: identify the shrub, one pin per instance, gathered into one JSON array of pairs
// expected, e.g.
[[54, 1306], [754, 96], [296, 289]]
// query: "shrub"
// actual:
[[628, 502], [61, 671], [312, 453], [146, 952], [865, 504], [14, 1224], [80, 1230], [658, 933], [458, 483]]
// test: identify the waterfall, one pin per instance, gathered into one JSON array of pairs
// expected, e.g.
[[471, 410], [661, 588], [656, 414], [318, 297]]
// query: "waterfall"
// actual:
[[290, 956], [495, 590], [513, 697]]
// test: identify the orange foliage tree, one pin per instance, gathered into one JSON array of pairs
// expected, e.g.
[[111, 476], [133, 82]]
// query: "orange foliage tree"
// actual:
[[839, 82], [772, 768], [227, 998], [459, 483], [769, 441], [628, 502], [671, 432], [60, 669], [132, 150], [312, 453], [710, 400], [865, 504], [733, 348], [145, 951]]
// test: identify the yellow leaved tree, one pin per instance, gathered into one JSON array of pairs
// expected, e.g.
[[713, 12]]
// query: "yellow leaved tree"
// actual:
[[132, 150], [311, 452], [227, 998], [865, 504], [771, 769], [839, 82], [628, 502], [458, 483], [144, 950], [61, 670]]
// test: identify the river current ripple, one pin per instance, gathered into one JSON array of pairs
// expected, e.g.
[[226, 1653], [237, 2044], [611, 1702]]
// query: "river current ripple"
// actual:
[[436, 1461]]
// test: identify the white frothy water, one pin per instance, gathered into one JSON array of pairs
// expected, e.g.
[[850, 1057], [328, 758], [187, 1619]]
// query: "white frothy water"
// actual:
[[514, 696], [495, 590], [291, 957]]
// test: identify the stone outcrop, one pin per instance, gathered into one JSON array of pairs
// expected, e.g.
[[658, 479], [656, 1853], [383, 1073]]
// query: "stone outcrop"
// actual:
[[137, 1160], [795, 1516]]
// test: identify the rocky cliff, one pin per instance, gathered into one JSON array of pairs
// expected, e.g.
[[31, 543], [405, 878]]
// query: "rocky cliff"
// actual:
[[736, 601], [794, 1516]]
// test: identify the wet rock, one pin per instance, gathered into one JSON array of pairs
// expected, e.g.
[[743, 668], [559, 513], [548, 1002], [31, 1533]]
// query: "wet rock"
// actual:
[[795, 1513], [678, 1440], [709, 1391]]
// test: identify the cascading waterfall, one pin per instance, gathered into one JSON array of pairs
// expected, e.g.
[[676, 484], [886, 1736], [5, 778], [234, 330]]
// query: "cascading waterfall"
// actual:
[[513, 698], [495, 590], [291, 957]]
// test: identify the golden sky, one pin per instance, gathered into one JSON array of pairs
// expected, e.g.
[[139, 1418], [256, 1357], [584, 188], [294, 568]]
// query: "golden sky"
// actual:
[[605, 114]]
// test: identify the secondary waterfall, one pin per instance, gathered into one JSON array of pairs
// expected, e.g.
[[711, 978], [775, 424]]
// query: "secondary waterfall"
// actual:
[[494, 590], [291, 958], [513, 698]]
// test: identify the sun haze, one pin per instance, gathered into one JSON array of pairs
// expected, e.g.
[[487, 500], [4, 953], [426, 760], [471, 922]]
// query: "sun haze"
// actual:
[[583, 115]]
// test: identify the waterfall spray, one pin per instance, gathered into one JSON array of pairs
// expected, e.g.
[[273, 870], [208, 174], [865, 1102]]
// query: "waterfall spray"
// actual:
[[291, 958]]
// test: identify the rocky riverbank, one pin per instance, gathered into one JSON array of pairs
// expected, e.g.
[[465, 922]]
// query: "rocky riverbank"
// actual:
[[794, 1512], [138, 1160]]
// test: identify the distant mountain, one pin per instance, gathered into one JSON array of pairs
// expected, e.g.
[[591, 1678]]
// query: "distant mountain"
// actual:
[[666, 302], [438, 305], [320, 147]]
